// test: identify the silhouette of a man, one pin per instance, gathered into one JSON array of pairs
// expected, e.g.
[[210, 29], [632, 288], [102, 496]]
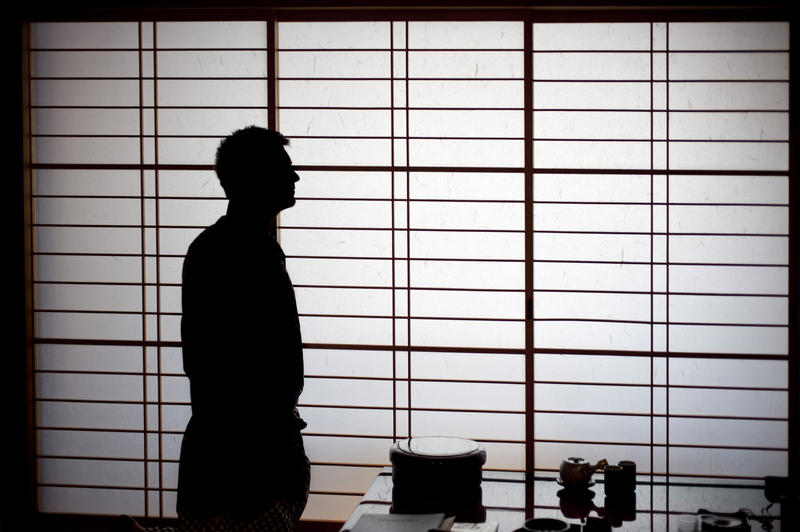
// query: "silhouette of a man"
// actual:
[[243, 465]]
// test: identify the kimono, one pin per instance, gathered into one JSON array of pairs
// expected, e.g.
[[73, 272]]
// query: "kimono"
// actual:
[[242, 452]]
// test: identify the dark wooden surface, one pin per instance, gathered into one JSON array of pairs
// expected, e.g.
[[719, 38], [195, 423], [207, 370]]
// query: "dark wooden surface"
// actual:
[[659, 506]]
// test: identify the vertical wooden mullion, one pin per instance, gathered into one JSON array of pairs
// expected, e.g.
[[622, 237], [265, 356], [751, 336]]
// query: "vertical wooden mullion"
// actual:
[[158, 271], [143, 242], [652, 273], [667, 288], [272, 70], [394, 259], [530, 464]]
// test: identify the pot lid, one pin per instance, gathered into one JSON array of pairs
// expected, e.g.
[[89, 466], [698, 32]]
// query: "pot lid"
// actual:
[[437, 446]]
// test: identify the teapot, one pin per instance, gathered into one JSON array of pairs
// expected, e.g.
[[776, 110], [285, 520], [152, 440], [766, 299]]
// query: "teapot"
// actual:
[[576, 472]]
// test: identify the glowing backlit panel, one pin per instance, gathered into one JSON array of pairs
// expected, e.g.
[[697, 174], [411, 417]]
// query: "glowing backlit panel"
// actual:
[[659, 266]]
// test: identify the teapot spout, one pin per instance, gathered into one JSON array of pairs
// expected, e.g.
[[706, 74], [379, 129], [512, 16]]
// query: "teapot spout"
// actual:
[[599, 465]]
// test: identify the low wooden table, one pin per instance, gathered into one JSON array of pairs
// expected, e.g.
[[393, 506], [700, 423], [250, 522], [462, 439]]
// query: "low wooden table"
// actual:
[[509, 501]]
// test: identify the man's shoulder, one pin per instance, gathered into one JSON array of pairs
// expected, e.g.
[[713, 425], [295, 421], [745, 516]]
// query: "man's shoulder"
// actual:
[[211, 240]]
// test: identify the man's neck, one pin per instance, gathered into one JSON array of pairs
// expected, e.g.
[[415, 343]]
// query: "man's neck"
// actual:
[[250, 216]]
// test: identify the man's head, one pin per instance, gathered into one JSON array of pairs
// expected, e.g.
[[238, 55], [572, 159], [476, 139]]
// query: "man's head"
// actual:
[[253, 166]]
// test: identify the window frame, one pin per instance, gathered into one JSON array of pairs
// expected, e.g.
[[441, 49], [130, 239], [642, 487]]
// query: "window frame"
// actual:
[[369, 11]]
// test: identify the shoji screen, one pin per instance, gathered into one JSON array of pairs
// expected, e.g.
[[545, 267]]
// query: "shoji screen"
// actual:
[[661, 245], [656, 262], [407, 241], [125, 120]]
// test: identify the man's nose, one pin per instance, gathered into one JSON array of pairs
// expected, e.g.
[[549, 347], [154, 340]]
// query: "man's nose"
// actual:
[[295, 177]]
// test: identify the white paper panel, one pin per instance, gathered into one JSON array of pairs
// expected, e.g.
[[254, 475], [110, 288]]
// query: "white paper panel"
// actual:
[[475, 426], [466, 64], [592, 335], [592, 428], [468, 333], [91, 500], [728, 66], [729, 249], [90, 415], [345, 392], [591, 36], [719, 339], [593, 154], [468, 396], [227, 34], [449, 304], [95, 326], [729, 95], [468, 366], [101, 211], [725, 432], [616, 277], [58, 64], [373, 185], [326, 330], [719, 461], [88, 269], [348, 301], [600, 95], [466, 185], [592, 188], [207, 121], [729, 36], [469, 123], [353, 35], [770, 156], [448, 35], [108, 92], [87, 182], [339, 213], [86, 150], [344, 363], [565, 305], [213, 64], [212, 92], [729, 189], [340, 272], [192, 150], [85, 122], [739, 373], [337, 243], [472, 216], [85, 35], [334, 93], [457, 274], [485, 94], [591, 125], [486, 246], [613, 248], [729, 279], [590, 66], [592, 368], [601, 399], [340, 65], [88, 297], [335, 421], [345, 152]]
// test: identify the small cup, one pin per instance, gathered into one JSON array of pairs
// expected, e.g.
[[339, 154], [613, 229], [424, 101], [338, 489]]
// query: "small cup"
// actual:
[[614, 481], [628, 475]]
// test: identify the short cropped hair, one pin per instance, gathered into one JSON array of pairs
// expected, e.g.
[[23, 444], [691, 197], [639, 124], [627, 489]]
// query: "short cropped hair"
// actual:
[[243, 153]]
